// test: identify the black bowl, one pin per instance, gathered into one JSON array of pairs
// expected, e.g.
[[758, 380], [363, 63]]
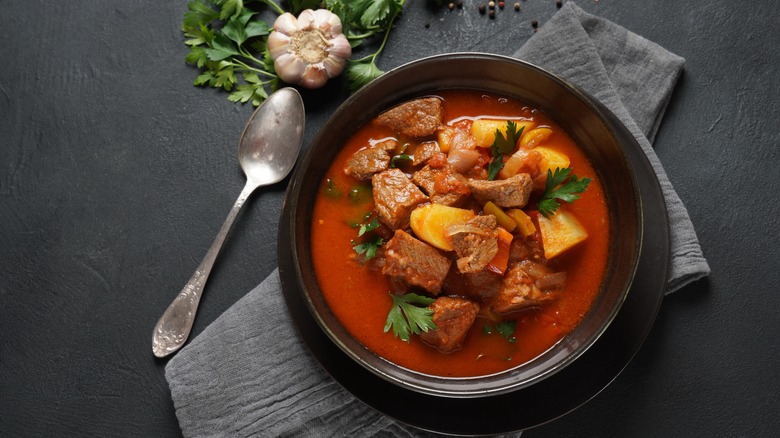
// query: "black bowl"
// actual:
[[580, 115]]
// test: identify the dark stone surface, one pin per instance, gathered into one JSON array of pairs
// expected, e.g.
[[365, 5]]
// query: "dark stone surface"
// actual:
[[116, 173]]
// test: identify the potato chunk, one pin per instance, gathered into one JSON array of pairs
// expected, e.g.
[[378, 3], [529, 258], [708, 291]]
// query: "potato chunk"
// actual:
[[560, 233], [551, 159], [484, 130], [429, 222]]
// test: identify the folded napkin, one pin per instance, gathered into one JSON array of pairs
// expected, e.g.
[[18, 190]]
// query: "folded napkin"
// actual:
[[249, 374]]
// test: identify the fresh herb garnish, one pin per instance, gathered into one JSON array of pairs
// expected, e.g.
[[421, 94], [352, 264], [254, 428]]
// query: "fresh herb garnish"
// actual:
[[368, 248], [503, 145], [568, 191], [371, 243], [360, 193], [370, 226], [399, 157], [410, 315], [504, 328], [331, 190], [228, 41]]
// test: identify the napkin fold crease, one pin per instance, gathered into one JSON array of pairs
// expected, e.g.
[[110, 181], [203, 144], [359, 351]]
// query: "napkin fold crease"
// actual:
[[249, 374]]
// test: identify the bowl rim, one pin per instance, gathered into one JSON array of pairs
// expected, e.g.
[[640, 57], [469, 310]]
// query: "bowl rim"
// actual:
[[451, 386]]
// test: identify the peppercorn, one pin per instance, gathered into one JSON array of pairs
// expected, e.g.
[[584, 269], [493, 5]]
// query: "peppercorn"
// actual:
[[482, 9], [558, 3], [492, 13], [534, 24], [500, 5], [517, 6], [427, 24], [459, 4], [492, 4], [451, 6]]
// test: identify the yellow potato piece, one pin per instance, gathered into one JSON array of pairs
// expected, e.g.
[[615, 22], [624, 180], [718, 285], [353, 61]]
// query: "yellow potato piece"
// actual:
[[444, 137], [534, 137], [551, 159], [560, 233], [429, 222], [484, 130]]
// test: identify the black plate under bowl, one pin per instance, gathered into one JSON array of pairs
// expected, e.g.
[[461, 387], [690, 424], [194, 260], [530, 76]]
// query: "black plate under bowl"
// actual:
[[541, 401]]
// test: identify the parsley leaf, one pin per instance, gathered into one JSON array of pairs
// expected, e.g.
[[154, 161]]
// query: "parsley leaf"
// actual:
[[504, 328], [503, 145], [555, 189], [331, 190], [362, 72], [368, 248], [371, 243], [410, 315], [371, 226]]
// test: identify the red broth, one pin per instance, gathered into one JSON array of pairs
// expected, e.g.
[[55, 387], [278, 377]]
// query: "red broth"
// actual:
[[358, 296]]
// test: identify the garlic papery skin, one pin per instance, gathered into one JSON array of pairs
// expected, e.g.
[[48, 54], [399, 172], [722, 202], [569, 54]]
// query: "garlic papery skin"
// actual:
[[310, 49]]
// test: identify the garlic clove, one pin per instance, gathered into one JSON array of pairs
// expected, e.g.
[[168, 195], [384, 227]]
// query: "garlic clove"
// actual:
[[290, 68], [278, 44], [326, 21], [314, 77], [286, 24], [340, 48], [333, 67]]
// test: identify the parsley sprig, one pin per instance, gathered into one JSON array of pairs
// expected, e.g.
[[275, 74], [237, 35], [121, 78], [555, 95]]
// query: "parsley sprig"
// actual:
[[558, 188], [371, 243], [503, 145], [228, 41], [410, 315], [504, 328]]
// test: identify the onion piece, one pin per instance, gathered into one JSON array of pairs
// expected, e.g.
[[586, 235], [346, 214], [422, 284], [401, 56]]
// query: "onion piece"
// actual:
[[462, 160]]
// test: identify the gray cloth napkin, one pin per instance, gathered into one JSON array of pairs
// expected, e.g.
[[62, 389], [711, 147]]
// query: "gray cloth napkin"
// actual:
[[249, 374], [634, 78]]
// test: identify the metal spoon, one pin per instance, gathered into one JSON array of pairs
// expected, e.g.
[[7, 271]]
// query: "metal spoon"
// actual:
[[267, 152]]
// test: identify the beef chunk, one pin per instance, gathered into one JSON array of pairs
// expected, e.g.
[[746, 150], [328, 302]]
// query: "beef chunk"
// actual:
[[529, 248], [475, 242], [424, 152], [510, 192], [453, 317], [395, 196], [416, 118], [415, 262], [518, 291], [373, 159], [443, 185], [480, 286]]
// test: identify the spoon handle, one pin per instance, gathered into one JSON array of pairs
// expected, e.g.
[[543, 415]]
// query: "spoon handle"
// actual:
[[173, 328]]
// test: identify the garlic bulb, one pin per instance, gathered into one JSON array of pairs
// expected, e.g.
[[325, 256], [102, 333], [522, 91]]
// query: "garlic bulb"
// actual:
[[308, 50]]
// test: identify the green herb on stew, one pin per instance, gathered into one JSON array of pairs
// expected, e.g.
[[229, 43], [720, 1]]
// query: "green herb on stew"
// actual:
[[370, 243], [368, 248], [410, 315], [360, 194], [399, 157], [370, 226], [558, 188], [503, 145], [331, 190], [504, 328]]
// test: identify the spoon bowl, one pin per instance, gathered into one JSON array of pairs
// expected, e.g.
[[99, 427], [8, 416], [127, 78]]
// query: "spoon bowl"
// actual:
[[272, 138], [267, 152]]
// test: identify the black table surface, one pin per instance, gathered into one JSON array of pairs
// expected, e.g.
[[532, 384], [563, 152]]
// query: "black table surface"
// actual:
[[116, 173]]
